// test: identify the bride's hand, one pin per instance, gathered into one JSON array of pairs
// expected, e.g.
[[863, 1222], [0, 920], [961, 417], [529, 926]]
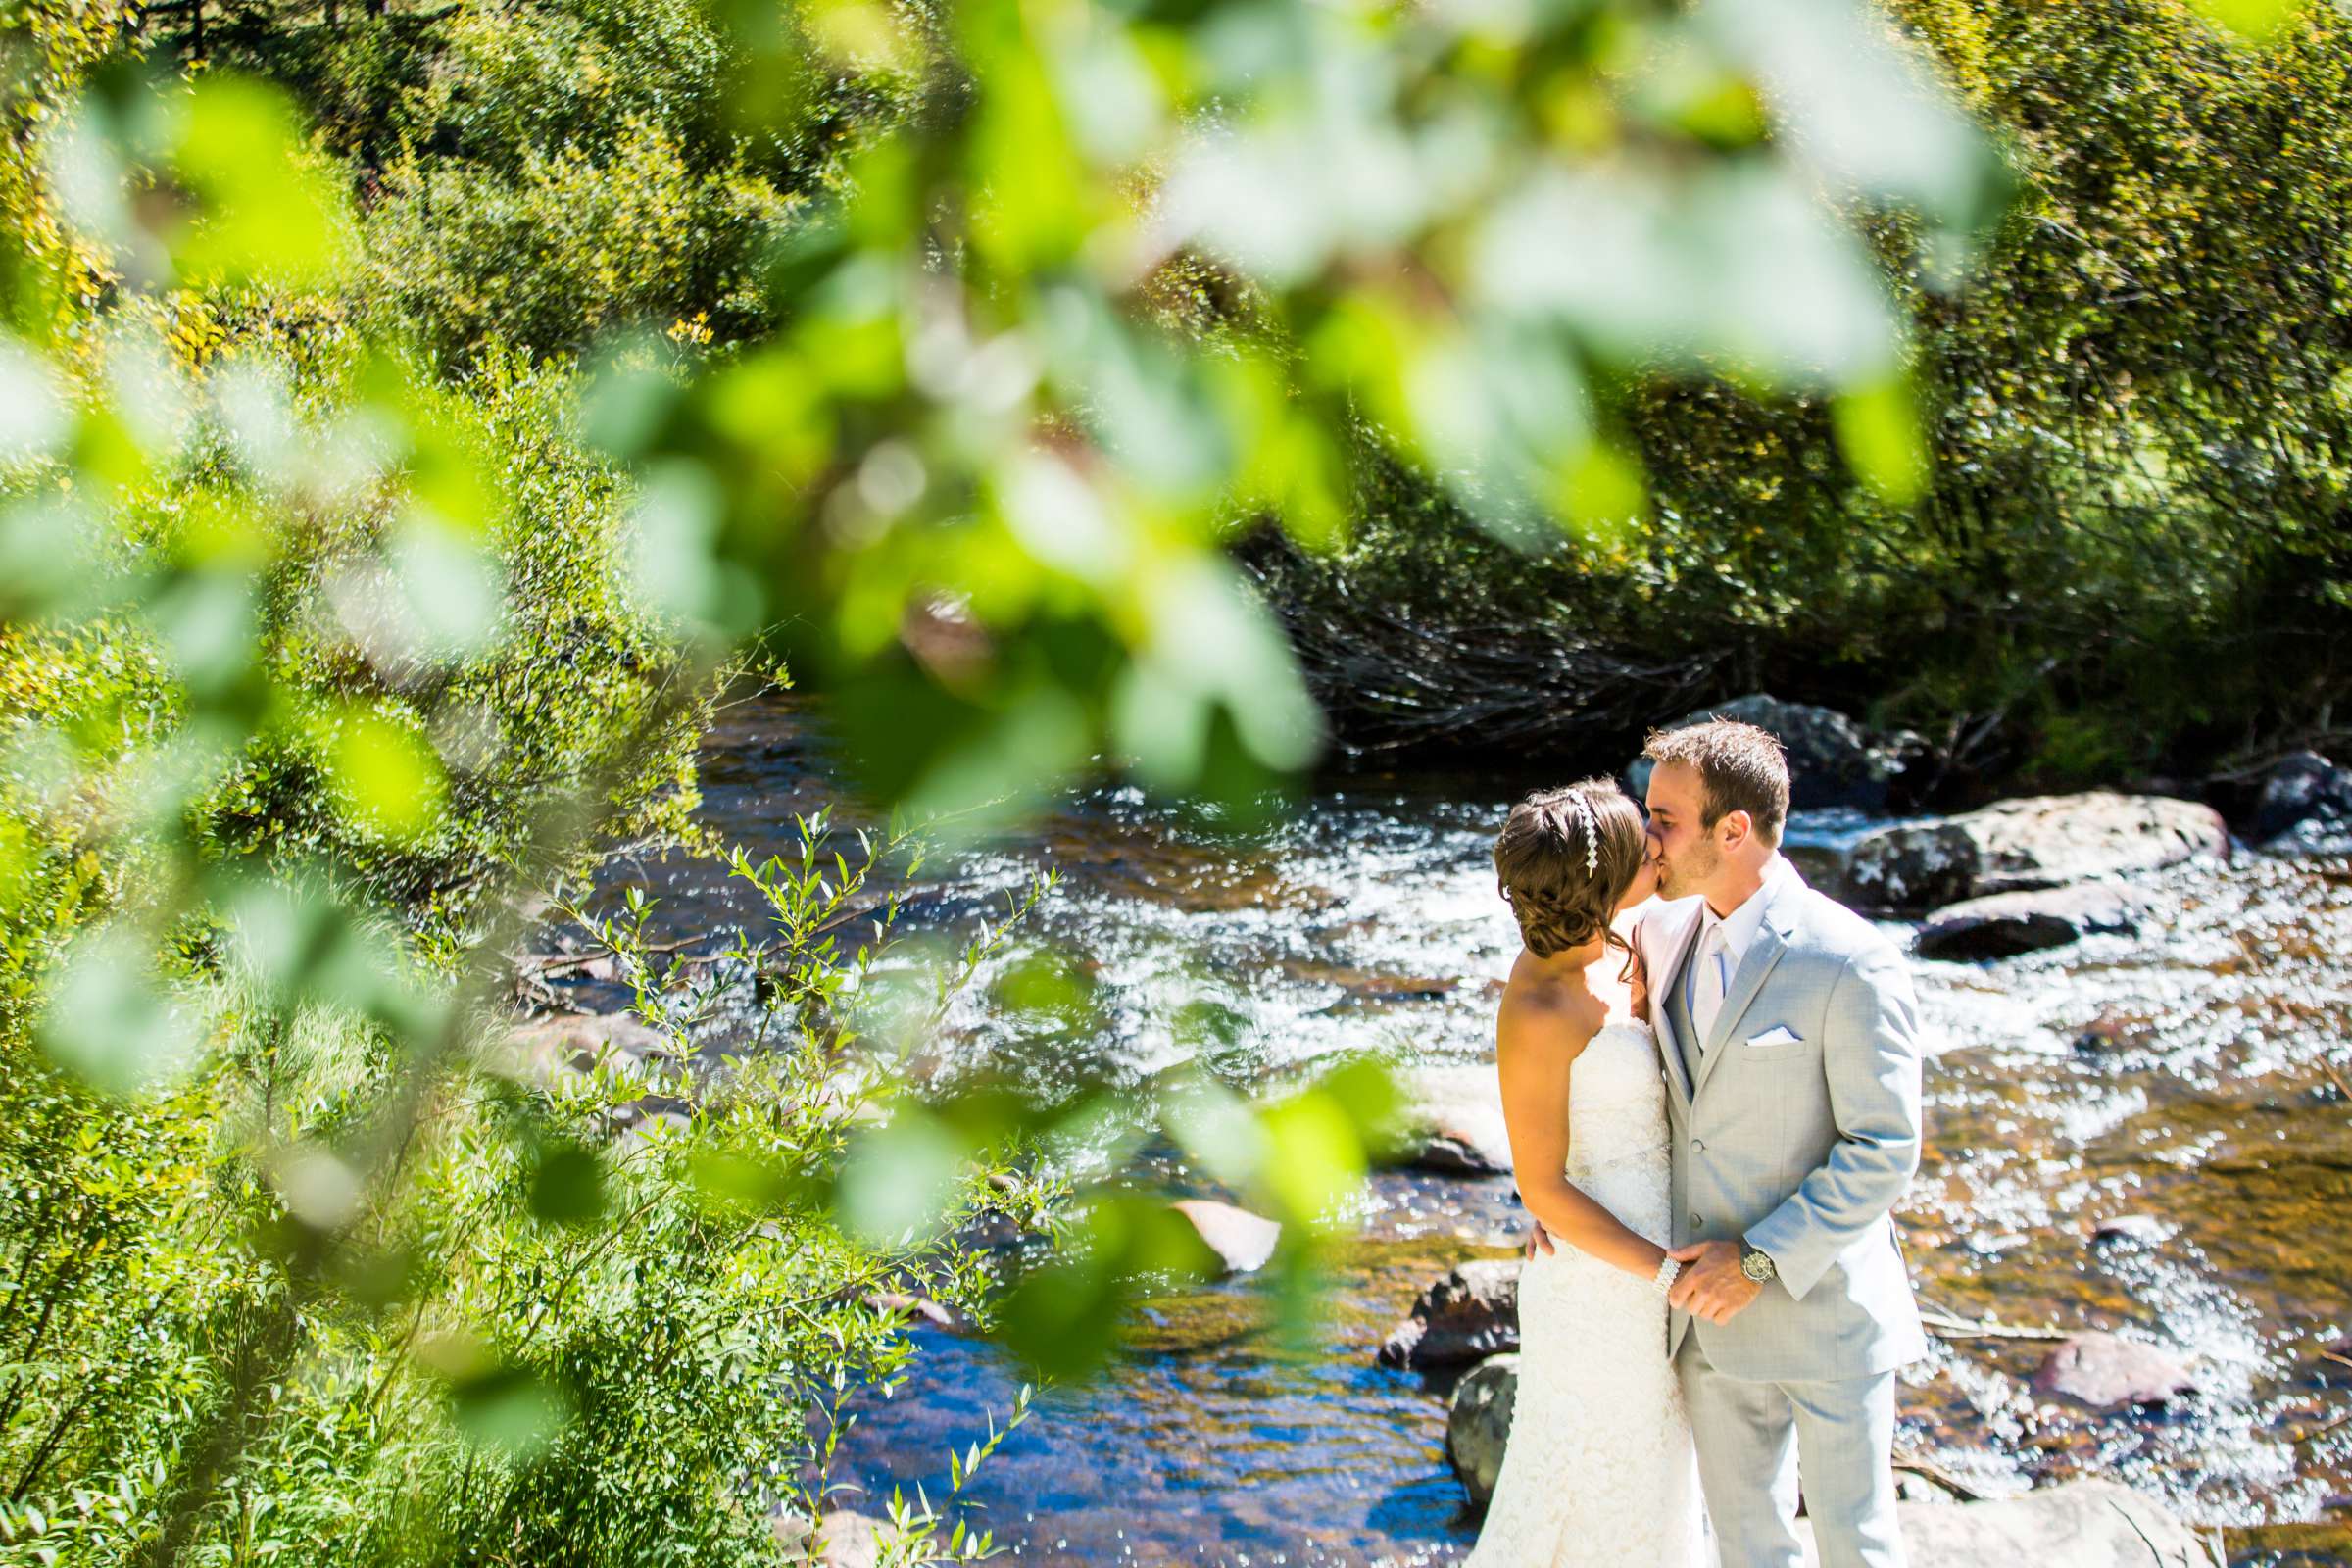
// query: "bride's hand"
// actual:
[[1537, 1239]]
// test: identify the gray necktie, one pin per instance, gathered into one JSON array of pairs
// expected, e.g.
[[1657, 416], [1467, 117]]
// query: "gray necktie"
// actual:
[[1709, 985]]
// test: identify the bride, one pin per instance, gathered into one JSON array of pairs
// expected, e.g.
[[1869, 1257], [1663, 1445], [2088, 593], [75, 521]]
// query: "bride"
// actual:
[[1599, 1468]]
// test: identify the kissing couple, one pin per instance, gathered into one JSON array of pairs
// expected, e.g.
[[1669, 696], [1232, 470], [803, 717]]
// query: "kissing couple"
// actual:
[[1713, 1103]]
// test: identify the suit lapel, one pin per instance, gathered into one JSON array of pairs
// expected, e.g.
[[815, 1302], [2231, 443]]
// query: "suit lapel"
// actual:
[[1772, 940], [1661, 1011]]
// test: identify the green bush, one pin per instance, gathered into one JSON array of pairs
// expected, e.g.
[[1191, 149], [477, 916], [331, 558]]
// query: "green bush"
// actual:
[[548, 1346], [561, 690], [535, 176], [569, 247]]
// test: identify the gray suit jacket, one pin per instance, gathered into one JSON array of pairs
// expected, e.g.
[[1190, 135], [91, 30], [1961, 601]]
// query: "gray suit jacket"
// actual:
[[1803, 1146]]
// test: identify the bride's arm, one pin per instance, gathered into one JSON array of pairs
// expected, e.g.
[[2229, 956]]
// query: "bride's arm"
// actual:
[[1535, 1046]]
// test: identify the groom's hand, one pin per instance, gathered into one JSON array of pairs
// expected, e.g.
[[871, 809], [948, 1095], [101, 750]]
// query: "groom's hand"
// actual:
[[1711, 1285], [1537, 1240]]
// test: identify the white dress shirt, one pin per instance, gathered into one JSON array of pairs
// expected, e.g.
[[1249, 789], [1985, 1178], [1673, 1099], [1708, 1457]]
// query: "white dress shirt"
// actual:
[[1723, 943]]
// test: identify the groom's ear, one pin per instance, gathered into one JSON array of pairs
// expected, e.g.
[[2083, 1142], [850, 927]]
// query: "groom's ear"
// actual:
[[1739, 827]]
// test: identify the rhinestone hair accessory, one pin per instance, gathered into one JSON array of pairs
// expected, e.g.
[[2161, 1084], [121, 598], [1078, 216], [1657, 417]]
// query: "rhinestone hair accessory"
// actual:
[[1592, 825]]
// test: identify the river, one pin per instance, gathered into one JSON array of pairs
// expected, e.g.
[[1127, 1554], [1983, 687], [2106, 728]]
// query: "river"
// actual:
[[2180, 1074]]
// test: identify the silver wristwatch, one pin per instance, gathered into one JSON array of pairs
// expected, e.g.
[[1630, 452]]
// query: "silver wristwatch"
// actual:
[[1755, 1262]]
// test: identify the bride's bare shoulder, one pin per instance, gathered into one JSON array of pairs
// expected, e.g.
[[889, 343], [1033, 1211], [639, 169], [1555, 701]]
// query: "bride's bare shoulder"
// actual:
[[1544, 1014]]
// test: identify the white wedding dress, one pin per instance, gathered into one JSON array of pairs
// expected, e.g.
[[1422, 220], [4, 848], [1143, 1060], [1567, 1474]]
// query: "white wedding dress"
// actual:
[[1598, 1467]]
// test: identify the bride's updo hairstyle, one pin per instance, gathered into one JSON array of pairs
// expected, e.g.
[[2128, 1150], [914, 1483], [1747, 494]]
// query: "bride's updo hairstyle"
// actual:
[[1565, 859]]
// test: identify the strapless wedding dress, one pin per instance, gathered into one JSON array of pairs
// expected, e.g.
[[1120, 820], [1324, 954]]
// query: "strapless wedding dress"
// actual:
[[1599, 1468]]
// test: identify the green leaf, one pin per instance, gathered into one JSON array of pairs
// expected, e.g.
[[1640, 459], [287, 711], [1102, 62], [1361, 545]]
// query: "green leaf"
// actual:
[[1878, 430], [898, 1176], [567, 1184], [388, 774], [509, 1409], [2256, 20], [266, 210], [110, 1019]]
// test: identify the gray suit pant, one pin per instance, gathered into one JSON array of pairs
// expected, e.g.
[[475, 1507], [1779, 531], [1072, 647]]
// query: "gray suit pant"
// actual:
[[1751, 1439]]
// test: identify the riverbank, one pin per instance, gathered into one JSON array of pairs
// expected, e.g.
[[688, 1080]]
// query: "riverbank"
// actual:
[[2176, 1072]]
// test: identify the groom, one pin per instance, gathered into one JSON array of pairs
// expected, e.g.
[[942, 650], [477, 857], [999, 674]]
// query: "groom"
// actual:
[[1792, 1057]]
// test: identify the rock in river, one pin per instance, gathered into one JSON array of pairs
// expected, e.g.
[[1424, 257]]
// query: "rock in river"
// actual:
[[2002, 925], [2105, 1372], [1468, 1315], [2306, 804], [554, 1042], [1832, 759], [1242, 1241], [2082, 1524], [2140, 1230], [1479, 1424], [1456, 1106], [2015, 845], [843, 1540], [1454, 1152]]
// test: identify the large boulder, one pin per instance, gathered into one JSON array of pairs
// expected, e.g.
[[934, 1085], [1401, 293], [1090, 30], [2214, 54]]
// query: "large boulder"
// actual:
[[558, 1042], [1832, 759], [1444, 1151], [2306, 804], [2102, 1372], [1479, 1424], [2002, 925], [1470, 1314], [2044, 841], [1455, 1119], [2082, 1524]]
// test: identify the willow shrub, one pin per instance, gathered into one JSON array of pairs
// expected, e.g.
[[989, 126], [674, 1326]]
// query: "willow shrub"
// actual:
[[534, 178], [549, 1345], [569, 247]]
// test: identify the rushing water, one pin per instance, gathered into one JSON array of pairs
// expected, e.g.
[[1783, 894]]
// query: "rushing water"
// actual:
[[2180, 1074]]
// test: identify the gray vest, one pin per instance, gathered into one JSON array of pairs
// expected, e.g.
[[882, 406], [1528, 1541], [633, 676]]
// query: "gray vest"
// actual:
[[1678, 1012]]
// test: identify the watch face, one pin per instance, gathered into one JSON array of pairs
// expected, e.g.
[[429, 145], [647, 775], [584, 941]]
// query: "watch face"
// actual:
[[1756, 1266]]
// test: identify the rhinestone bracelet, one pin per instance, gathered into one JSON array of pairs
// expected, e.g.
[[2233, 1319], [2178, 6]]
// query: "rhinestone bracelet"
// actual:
[[1668, 1270]]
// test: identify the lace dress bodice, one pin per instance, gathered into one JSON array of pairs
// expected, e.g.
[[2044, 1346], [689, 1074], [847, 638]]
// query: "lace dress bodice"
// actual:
[[1599, 1470], [1617, 1128]]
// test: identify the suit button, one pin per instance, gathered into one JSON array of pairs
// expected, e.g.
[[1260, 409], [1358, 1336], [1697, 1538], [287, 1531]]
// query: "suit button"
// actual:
[[1696, 1222], [1698, 1145]]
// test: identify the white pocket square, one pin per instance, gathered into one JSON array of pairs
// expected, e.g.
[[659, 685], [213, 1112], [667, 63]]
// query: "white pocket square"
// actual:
[[1776, 1035]]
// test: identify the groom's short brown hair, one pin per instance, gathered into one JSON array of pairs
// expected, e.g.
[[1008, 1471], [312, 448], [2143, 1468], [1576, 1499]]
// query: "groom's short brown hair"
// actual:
[[1739, 768]]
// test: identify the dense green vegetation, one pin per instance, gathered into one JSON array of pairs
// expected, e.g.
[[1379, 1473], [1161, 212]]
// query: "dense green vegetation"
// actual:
[[356, 518], [2134, 555], [428, 409]]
